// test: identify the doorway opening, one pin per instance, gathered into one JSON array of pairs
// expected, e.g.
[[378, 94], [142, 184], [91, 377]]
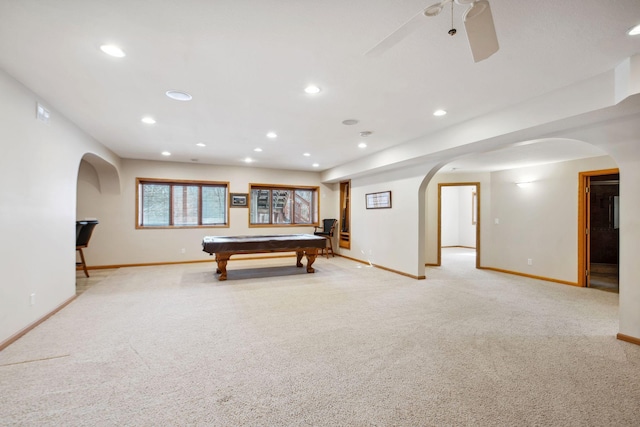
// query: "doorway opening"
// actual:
[[599, 230], [96, 178], [459, 218]]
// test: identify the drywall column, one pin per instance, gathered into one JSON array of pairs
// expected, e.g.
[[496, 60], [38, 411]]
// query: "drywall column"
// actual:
[[630, 240], [39, 166], [627, 155]]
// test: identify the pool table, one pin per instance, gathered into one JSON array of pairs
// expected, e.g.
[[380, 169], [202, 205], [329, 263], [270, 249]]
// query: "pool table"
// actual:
[[225, 246]]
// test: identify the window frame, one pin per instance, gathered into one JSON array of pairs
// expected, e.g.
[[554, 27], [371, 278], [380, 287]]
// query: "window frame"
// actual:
[[315, 213], [180, 182]]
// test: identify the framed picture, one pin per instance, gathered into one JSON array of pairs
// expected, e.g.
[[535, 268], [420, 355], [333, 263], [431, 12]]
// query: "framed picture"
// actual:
[[380, 200], [239, 200]]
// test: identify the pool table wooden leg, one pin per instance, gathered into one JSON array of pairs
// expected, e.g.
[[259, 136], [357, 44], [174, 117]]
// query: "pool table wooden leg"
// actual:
[[222, 259], [311, 257], [299, 255]]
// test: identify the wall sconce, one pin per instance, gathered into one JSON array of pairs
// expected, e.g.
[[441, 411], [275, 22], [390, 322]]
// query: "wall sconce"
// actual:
[[524, 184]]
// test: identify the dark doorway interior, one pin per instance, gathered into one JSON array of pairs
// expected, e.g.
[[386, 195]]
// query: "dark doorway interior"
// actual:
[[604, 232]]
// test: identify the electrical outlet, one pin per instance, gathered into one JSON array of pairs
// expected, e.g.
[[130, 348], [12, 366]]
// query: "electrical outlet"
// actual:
[[183, 250], [32, 299], [529, 261]]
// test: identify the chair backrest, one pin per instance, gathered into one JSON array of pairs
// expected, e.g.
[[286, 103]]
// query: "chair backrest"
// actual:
[[79, 225], [83, 236], [329, 225]]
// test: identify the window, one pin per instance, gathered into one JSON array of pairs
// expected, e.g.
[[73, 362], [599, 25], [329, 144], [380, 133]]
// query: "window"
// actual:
[[165, 203], [275, 205]]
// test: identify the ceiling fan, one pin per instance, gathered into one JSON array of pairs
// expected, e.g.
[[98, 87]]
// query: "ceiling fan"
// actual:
[[478, 23]]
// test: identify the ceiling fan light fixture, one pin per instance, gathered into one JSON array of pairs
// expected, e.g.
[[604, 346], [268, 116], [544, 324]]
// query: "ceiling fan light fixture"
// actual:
[[478, 23], [481, 32], [475, 9]]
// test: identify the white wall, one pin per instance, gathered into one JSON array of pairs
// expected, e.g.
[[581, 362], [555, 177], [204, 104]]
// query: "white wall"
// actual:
[[627, 155], [450, 216], [38, 169], [538, 222], [387, 237], [630, 243], [466, 227], [116, 241]]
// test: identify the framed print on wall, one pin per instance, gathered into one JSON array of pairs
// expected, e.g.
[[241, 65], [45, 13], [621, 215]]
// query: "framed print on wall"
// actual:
[[239, 200], [381, 200]]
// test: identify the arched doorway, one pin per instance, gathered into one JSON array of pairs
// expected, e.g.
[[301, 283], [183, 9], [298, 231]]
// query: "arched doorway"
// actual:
[[525, 225], [96, 178]]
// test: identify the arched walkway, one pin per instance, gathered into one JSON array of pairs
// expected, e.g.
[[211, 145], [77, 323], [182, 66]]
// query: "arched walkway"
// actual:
[[96, 178], [529, 231], [107, 174]]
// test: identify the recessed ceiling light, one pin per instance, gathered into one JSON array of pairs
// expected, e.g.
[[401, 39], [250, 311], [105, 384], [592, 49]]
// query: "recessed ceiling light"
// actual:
[[272, 135], [439, 113], [112, 50], [257, 150], [307, 154], [312, 89], [315, 165], [148, 120], [178, 96], [350, 122], [362, 145], [201, 144], [634, 31], [166, 153], [248, 160]]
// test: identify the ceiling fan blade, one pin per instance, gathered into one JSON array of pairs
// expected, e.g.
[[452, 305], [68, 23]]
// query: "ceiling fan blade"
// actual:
[[396, 36], [478, 22]]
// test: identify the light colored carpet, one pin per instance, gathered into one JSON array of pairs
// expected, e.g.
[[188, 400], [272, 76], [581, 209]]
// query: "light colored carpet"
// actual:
[[348, 346]]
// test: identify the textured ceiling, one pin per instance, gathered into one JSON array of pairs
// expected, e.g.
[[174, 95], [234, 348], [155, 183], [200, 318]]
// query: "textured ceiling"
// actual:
[[246, 64]]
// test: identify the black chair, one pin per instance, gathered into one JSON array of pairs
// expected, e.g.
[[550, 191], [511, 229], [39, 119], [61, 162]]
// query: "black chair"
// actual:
[[84, 230], [328, 227], [79, 225]]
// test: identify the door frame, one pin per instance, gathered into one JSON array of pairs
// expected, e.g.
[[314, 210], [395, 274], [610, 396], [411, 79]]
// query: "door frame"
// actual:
[[584, 218], [478, 216]]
